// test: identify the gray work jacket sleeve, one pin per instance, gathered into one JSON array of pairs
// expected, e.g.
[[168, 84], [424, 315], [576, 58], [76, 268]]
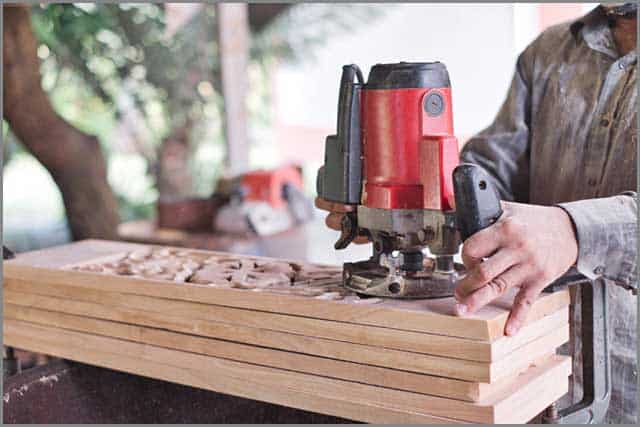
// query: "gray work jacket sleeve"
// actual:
[[502, 149], [607, 229]]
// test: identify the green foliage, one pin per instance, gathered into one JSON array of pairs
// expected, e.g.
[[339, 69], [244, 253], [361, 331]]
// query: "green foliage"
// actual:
[[114, 70], [123, 54]]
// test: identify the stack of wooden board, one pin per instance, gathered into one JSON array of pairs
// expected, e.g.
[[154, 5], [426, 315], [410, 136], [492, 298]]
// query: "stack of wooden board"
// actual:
[[283, 332]]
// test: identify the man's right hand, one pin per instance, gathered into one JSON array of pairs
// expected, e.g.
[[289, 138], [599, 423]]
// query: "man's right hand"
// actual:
[[336, 212]]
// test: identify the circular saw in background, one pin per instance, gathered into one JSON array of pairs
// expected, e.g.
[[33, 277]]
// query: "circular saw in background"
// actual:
[[264, 202]]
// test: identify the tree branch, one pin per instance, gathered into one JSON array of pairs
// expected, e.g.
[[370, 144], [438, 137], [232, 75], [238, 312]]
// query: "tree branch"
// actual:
[[72, 157]]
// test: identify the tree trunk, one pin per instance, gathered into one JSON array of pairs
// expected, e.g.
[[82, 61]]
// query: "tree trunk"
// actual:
[[173, 177], [73, 158]]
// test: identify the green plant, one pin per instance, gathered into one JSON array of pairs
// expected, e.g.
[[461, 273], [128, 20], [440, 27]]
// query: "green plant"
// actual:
[[117, 71]]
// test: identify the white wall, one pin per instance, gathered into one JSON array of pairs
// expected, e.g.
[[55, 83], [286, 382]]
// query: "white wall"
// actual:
[[475, 41], [527, 28]]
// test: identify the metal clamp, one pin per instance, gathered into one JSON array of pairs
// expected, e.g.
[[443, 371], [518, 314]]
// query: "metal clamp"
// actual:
[[596, 364]]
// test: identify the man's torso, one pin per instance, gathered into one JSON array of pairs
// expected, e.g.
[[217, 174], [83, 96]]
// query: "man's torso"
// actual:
[[583, 144]]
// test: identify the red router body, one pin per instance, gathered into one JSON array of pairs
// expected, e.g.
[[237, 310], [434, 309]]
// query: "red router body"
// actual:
[[392, 161], [409, 148]]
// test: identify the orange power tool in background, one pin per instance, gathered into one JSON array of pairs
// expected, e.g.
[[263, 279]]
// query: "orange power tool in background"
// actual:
[[263, 201]]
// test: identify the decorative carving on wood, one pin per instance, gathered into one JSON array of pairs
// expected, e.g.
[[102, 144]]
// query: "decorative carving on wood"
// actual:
[[228, 271]]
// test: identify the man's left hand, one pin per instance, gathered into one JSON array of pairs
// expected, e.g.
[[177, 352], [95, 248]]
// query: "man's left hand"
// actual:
[[528, 248]]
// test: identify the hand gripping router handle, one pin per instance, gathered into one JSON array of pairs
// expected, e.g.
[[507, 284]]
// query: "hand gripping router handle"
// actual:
[[477, 202], [477, 207]]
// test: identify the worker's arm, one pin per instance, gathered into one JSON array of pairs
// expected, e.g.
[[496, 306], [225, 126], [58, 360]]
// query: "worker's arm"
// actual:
[[516, 249], [531, 246], [607, 231], [502, 149]]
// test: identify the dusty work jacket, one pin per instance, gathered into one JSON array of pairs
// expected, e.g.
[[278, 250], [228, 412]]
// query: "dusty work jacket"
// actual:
[[567, 135]]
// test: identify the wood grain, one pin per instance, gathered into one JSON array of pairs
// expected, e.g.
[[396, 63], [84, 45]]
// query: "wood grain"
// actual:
[[428, 316], [284, 333], [453, 368], [390, 378], [211, 381], [281, 386], [438, 345]]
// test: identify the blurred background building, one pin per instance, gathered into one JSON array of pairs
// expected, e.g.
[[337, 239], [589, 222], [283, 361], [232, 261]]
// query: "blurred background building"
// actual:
[[146, 80]]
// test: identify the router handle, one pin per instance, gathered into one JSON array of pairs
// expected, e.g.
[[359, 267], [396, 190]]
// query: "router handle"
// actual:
[[477, 201]]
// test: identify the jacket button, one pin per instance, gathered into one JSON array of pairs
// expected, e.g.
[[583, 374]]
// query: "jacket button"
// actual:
[[592, 182], [604, 122], [599, 270]]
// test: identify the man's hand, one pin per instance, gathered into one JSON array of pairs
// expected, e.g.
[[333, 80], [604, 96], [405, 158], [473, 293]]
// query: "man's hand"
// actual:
[[528, 247], [334, 218]]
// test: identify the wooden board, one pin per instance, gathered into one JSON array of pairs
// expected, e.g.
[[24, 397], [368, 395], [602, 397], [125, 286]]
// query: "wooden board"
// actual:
[[536, 388], [439, 345], [285, 333], [429, 316], [510, 365], [211, 381], [390, 378]]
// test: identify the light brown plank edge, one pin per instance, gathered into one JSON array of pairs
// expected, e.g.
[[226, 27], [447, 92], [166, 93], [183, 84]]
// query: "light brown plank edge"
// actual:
[[404, 315], [350, 371], [438, 345], [515, 363], [29, 336]]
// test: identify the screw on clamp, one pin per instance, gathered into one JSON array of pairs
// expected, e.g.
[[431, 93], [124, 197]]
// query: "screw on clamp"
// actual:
[[596, 363]]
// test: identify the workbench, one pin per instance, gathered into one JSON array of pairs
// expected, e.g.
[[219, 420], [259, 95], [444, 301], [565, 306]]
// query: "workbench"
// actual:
[[65, 392]]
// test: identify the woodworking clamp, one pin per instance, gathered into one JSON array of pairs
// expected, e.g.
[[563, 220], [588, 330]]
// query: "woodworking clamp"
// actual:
[[596, 361]]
